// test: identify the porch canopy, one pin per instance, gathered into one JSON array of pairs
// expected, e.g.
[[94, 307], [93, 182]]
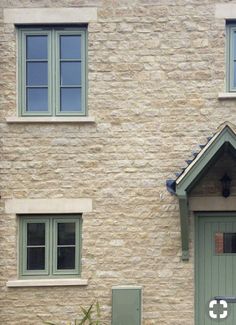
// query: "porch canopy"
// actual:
[[224, 140]]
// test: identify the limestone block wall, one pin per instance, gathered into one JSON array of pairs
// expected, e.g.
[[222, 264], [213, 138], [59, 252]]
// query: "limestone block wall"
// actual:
[[155, 70]]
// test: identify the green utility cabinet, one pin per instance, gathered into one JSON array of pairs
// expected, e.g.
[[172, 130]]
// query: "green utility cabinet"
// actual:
[[126, 305]]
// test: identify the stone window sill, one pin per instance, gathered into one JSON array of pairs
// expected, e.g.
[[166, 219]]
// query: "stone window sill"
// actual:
[[46, 283], [227, 95], [43, 119]]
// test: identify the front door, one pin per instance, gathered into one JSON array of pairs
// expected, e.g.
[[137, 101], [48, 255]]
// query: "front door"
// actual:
[[215, 270]]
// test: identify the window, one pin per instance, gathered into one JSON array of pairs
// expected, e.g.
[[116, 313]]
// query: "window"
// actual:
[[50, 246], [52, 71], [231, 57], [225, 242]]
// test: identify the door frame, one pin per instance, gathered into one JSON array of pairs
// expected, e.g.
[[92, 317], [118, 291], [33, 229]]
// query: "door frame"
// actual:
[[197, 217]]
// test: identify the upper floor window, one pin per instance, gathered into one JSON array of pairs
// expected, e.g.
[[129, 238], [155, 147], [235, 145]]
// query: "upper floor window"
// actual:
[[52, 71], [231, 57]]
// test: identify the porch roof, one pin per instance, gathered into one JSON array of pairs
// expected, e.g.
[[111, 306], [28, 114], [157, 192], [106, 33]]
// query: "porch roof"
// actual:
[[225, 137]]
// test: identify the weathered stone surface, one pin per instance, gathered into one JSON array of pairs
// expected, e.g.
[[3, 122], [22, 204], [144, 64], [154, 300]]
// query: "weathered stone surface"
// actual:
[[155, 69]]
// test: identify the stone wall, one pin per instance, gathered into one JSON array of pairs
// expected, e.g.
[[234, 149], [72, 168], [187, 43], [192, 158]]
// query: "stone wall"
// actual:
[[210, 184], [155, 70]]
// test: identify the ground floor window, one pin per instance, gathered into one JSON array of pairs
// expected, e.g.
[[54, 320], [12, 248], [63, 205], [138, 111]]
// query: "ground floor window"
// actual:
[[50, 245]]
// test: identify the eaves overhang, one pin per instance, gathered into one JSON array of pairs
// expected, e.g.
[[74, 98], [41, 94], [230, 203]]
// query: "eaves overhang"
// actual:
[[187, 178]]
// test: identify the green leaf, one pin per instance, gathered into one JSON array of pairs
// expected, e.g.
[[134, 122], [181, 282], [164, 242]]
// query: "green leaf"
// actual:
[[87, 314], [91, 316], [98, 309], [45, 322]]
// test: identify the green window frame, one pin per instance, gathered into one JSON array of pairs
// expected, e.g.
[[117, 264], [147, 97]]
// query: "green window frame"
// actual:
[[231, 57], [51, 246], [54, 63]]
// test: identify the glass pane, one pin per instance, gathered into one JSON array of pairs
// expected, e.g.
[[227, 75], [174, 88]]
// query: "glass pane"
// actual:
[[37, 47], [234, 46], [65, 258], [70, 47], [70, 99], [234, 74], [35, 234], [225, 243], [37, 74], [66, 233], [36, 258], [37, 99], [229, 242], [71, 73]]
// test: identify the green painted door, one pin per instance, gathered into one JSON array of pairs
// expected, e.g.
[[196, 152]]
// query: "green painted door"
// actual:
[[215, 269], [126, 306]]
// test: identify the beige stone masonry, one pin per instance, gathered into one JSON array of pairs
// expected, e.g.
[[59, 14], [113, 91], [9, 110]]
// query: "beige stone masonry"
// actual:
[[199, 156], [34, 206], [49, 15], [155, 69]]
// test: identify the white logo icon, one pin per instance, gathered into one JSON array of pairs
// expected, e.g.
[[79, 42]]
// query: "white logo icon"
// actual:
[[212, 313]]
